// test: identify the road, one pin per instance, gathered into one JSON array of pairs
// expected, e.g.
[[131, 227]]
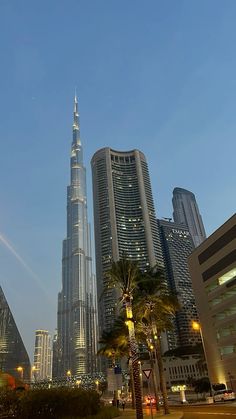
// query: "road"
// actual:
[[216, 411]]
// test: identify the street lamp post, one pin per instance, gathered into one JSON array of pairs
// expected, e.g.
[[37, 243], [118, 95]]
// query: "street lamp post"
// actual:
[[78, 382], [197, 327], [21, 372], [33, 373], [68, 374]]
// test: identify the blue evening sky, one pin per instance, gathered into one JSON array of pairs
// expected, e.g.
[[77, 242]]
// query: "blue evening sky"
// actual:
[[157, 75]]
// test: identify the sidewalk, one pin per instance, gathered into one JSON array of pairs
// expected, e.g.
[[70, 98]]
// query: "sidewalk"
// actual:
[[130, 413]]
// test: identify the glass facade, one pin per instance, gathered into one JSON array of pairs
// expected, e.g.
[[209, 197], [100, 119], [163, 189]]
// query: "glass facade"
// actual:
[[13, 354], [124, 218], [186, 212], [77, 322], [177, 245]]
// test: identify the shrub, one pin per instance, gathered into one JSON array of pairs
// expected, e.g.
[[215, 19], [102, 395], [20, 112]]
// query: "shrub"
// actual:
[[105, 413], [50, 403], [58, 403], [9, 401]]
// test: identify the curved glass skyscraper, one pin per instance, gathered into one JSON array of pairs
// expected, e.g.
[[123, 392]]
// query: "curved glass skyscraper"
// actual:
[[76, 342], [186, 212], [124, 219]]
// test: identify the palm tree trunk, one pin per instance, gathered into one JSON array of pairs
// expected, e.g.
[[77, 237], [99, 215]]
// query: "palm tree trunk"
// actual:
[[115, 392], [134, 358], [161, 375], [131, 383], [154, 380]]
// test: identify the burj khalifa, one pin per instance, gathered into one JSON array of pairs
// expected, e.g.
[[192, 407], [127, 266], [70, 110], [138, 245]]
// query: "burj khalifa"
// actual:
[[76, 344]]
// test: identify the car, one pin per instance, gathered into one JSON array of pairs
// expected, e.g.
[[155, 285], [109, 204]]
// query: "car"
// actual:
[[150, 400], [223, 395]]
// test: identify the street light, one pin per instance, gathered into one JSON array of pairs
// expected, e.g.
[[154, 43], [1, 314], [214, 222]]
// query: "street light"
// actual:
[[78, 382], [21, 372], [68, 373], [33, 369], [97, 384], [197, 327]]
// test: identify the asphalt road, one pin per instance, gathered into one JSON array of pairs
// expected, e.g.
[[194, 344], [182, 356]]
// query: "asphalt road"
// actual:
[[216, 411]]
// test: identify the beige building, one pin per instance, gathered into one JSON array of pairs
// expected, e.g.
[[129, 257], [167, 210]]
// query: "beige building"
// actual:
[[178, 371], [213, 271]]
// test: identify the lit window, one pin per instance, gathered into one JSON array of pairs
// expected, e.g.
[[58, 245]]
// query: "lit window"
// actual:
[[227, 277]]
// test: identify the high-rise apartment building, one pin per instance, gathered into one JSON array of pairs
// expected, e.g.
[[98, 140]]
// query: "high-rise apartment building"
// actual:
[[42, 356], [124, 219], [177, 245], [213, 271], [13, 355], [77, 323], [186, 212]]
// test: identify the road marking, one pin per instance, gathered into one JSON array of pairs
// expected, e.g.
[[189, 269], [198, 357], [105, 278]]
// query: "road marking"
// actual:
[[212, 413]]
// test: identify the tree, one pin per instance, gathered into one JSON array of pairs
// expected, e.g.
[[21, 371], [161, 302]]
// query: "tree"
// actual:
[[114, 343], [154, 309], [124, 275], [202, 385]]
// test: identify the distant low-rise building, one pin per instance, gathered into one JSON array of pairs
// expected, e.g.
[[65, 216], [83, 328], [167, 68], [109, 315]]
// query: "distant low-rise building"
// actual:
[[213, 272], [182, 370]]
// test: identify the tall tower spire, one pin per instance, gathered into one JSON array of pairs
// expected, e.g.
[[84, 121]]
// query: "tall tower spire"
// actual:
[[76, 124], [77, 325]]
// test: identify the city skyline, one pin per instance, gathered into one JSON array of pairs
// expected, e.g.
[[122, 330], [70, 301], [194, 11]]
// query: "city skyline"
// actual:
[[167, 90]]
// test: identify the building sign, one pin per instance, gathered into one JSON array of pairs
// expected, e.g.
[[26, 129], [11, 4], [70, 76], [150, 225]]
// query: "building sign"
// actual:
[[178, 388], [183, 232]]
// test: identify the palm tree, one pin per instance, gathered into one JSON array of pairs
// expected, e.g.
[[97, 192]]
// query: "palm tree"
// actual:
[[114, 343], [154, 308], [123, 276]]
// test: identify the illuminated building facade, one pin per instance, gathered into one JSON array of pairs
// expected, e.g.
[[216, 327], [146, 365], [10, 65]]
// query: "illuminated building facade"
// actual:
[[186, 212], [77, 324], [13, 355], [124, 219], [177, 245], [213, 272], [42, 356]]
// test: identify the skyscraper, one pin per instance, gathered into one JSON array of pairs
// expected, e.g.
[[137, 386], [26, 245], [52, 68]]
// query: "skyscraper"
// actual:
[[177, 245], [124, 219], [42, 355], [76, 342], [186, 212], [13, 354]]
